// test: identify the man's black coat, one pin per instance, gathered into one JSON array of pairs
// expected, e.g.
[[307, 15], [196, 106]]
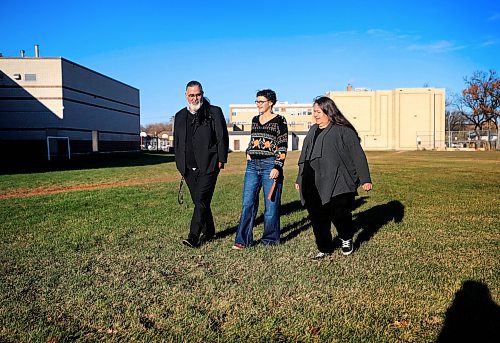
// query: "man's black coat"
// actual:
[[210, 141]]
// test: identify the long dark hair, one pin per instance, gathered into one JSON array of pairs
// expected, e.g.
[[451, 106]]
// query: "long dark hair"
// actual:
[[203, 115], [329, 107]]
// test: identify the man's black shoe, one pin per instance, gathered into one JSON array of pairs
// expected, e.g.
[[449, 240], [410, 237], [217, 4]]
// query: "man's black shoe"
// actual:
[[206, 238], [190, 243]]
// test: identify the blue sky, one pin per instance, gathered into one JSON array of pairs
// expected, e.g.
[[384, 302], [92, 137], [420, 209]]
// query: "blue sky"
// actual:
[[300, 49]]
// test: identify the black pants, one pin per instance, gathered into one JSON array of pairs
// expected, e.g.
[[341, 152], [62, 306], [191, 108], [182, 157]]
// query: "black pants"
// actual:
[[336, 211], [201, 187]]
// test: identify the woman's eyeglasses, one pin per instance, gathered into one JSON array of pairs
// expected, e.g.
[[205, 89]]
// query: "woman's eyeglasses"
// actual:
[[260, 102]]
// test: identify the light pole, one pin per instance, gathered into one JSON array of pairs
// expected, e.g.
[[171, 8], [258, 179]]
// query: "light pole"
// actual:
[[450, 117]]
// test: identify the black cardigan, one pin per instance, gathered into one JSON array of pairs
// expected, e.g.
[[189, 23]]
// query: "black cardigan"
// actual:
[[338, 160]]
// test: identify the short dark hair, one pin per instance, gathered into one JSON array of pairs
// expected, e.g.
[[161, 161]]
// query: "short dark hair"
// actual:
[[269, 94], [194, 83]]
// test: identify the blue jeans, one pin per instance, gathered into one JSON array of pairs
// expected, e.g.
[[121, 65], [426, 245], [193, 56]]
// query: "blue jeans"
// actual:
[[257, 177]]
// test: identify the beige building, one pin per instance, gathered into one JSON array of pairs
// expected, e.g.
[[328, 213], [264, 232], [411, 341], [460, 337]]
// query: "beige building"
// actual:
[[52, 104], [398, 119], [298, 117]]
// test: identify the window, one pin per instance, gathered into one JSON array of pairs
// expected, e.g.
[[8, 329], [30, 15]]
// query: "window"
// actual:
[[95, 141], [29, 77]]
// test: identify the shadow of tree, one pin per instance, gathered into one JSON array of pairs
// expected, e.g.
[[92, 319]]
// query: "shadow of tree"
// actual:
[[472, 317], [369, 222]]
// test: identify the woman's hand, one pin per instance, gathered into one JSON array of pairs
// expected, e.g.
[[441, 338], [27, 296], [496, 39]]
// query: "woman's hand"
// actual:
[[367, 186], [297, 186], [274, 174]]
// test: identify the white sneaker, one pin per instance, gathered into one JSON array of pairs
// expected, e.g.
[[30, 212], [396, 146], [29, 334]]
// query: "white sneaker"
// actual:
[[347, 246]]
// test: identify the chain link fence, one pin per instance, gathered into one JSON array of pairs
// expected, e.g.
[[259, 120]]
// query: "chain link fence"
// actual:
[[458, 140], [472, 140]]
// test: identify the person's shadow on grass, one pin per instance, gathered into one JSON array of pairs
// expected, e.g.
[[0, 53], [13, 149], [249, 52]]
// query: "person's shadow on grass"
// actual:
[[369, 222], [285, 209], [472, 317], [294, 229], [290, 231]]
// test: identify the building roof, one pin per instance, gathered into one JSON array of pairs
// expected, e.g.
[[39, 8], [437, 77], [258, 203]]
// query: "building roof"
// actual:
[[67, 61]]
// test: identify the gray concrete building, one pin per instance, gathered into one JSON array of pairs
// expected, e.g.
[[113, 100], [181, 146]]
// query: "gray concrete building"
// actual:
[[48, 105]]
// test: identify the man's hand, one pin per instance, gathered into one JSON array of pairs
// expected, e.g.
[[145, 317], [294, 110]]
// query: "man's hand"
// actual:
[[297, 186], [221, 165]]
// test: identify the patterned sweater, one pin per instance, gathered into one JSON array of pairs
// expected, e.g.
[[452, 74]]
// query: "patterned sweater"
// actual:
[[270, 139]]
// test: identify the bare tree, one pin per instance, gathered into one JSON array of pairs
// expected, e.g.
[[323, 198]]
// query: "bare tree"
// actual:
[[454, 118], [155, 128], [480, 101]]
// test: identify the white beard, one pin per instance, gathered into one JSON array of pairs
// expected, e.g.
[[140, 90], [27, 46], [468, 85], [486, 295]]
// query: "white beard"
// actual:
[[195, 107]]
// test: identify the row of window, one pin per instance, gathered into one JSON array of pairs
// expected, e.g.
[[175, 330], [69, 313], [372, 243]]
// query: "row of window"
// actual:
[[293, 112]]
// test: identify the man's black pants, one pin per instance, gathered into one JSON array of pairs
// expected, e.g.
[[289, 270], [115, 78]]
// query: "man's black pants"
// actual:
[[201, 187]]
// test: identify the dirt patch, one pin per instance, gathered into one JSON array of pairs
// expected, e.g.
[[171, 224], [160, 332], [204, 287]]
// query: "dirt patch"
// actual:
[[29, 192]]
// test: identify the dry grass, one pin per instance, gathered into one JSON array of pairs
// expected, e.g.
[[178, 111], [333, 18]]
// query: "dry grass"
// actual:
[[107, 263]]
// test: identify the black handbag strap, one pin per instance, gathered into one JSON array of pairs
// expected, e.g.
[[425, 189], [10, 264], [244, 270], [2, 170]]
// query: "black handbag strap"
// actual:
[[180, 196]]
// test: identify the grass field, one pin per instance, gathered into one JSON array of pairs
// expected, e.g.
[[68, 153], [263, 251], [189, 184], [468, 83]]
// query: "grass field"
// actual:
[[95, 254]]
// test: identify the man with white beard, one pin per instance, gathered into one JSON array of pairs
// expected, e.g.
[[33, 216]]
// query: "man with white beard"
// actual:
[[201, 146]]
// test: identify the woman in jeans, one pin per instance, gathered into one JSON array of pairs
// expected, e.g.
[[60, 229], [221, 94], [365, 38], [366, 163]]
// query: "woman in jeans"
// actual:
[[332, 165], [266, 155]]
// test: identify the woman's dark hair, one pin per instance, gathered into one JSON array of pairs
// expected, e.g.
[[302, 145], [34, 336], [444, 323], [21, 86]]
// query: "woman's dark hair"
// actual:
[[329, 107], [203, 115], [268, 94]]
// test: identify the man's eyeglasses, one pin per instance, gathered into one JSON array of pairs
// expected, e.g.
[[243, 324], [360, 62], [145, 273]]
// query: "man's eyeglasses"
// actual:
[[260, 102], [192, 96]]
